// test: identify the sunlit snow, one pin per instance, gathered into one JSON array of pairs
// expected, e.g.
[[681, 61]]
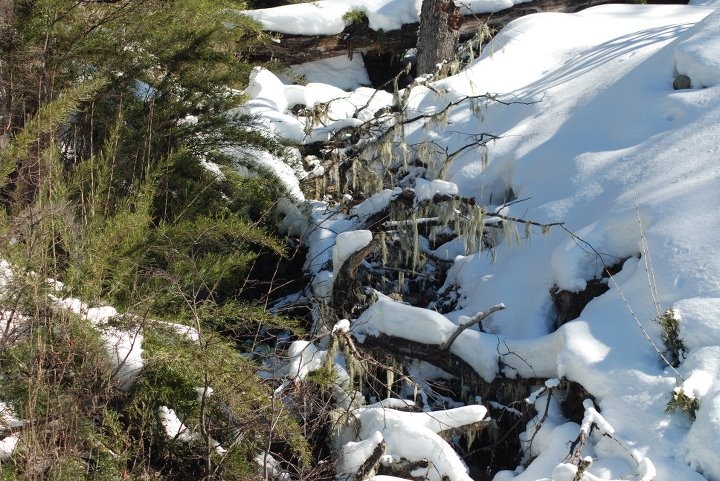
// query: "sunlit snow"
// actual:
[[595, 137], [600, 141]]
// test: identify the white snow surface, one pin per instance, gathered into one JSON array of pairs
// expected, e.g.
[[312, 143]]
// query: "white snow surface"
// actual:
[[698, 54], [601, 142], [346, 244], [176, 430], [8, 420], [341, 72], [408, 435], [324, 17]]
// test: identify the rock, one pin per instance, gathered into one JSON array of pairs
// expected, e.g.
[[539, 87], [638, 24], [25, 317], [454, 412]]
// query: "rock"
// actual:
[[682, 82]]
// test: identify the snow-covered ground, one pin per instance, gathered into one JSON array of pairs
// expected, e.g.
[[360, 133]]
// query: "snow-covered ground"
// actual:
[[325, 17], [603, 143]]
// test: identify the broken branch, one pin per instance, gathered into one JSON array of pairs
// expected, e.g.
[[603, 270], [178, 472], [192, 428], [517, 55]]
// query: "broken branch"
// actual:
[[477, 318]]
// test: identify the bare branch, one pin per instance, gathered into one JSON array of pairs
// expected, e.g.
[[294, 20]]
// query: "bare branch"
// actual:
[[370, 466], [477, 318]]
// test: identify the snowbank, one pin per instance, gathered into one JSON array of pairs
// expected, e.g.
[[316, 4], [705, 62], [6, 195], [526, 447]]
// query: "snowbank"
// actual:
[[698, 54], [602, 143]]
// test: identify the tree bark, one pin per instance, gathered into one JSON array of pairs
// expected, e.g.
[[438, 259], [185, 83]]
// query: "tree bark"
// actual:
[[347, 289], [7, 11], [439, 35]]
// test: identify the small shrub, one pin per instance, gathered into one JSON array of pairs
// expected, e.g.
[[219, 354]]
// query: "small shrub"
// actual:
[[681, 401], [674, 347], [355, 16], [238, 414]]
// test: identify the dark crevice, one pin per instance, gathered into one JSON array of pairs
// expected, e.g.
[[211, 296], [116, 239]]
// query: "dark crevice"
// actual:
[[569, 305]]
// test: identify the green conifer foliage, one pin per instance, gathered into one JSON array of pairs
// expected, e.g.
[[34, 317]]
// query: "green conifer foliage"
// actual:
[[109, 111]]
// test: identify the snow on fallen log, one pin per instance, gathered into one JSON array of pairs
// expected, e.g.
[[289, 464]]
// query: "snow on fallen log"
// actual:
[[481, 351], [376, 424], [367, 435]]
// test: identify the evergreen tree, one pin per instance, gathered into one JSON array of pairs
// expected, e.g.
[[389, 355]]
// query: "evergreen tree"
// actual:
[[109, 110]]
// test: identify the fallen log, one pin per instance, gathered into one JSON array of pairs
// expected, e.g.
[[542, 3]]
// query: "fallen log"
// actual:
[[360, 39]]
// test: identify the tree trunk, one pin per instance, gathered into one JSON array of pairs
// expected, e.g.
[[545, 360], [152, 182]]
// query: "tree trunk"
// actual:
[[7, 10], [439, 34]]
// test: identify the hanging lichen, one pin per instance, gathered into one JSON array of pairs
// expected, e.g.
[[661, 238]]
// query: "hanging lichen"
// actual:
[[383, 248], [441, 162], [484, 156], [404, 153], [473, 229], [441, 119], [386, 153]]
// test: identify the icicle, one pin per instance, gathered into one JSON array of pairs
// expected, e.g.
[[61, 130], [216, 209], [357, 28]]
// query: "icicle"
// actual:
[[353, 174], [390, 377], [416, 243], [516, 234]]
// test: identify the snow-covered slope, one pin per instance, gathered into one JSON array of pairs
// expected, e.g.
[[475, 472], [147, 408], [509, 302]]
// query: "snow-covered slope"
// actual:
[[603, 143]]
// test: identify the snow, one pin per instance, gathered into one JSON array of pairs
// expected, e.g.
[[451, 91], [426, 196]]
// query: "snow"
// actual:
[[7, 447], [304, 359], [354, 454], [343, 326], [602, 143], [426, 190], [700, 444], [346, 244], [341, 72], [375, 203], [592, 417], [176, 430], [124, 347], [698, 54], [401, 320], [324, 17], [8, 419], [594, 137], [395, 428]]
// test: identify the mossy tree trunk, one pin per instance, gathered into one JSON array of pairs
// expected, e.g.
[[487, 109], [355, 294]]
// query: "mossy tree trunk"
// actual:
[[439, 34]]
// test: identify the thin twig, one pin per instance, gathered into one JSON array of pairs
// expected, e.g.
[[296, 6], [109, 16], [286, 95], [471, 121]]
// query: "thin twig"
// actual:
[[625, 300], [477, 318]]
